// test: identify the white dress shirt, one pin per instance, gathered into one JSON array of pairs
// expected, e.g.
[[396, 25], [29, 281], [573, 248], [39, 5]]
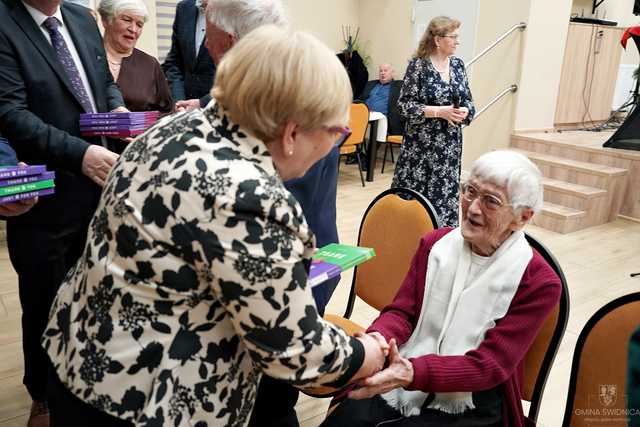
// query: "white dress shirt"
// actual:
[[200, 29]]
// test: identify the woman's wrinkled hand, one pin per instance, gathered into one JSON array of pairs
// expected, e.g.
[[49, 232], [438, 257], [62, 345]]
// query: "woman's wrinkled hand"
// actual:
[[398, 374], [374, 356]]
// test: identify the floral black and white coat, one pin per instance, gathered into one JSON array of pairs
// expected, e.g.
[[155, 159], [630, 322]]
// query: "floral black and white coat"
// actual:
[[193, 283]]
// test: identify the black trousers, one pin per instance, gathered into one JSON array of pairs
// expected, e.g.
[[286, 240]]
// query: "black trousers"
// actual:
[[376, 412], [275, 404], [41, 255], [65, 409]]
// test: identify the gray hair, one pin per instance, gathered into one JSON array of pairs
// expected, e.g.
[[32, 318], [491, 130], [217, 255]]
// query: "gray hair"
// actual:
[[240, 17], [109, 9], [515, 172]]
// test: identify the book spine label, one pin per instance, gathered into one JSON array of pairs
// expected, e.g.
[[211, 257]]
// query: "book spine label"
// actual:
[[17, 172], [25, 188], [24, 196], [27, 179]]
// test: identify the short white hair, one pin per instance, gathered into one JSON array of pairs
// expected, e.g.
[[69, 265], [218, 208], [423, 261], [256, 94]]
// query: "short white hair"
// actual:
[[240, 17], [514, 172], [110, 9]]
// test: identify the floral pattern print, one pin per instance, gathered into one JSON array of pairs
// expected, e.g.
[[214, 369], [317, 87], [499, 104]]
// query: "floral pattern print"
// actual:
[[431, 154], [193, 284]]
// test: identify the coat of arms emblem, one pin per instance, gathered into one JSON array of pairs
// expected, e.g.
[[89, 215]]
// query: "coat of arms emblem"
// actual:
[[608, 394]]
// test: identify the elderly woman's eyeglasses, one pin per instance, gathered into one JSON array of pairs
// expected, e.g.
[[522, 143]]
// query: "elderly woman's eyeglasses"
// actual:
[[340, 134], [452, 36], [488, 201]]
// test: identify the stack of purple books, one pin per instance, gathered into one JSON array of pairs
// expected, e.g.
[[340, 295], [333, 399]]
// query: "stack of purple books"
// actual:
[[117, 125], [20, 183]]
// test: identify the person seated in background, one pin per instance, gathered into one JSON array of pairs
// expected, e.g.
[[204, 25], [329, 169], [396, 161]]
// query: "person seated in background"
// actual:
[[188, 66], [142, 83], [8, 159], [193, 283], [382, 96], [467, 312]]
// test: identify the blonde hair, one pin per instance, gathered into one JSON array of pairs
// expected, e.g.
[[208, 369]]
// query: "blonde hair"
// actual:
[[273, 76], [438, 27]]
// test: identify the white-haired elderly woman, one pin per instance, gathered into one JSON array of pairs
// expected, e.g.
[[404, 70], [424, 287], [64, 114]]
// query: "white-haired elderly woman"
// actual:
[[139, 76], [468, 310], [193, 282]]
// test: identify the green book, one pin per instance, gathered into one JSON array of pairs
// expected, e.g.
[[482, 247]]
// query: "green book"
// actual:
[[344, 256], [25, 188]]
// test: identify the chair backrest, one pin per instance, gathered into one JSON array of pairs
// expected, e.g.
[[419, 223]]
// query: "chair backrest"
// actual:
[[539, 358], [393, 226], [597, 382], [358, 122]]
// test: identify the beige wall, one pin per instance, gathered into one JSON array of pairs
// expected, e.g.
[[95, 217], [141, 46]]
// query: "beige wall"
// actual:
[[148, 41], [387, 30], [545, 40], [491, 74], [324, 18]]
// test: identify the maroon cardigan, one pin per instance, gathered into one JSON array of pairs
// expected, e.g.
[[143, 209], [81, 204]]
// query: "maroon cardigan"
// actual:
[[498, 359]]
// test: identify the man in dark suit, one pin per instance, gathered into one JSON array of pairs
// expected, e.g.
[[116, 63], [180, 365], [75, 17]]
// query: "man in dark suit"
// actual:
[[188, 65], [53, 67]]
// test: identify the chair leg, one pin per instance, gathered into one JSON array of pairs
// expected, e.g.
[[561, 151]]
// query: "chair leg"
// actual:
[[384, 158], [392, 159], [360, 167]]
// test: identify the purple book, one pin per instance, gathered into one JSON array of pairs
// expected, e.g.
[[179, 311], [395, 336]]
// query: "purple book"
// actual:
[[114, 133], [17, 172], [321, 271], [127, 115], [116, 122], [23, 196], [116, 127], [27, 179]]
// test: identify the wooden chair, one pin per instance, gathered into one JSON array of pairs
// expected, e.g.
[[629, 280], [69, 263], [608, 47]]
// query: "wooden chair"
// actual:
[[391, 141], [358, 122], [539, 358], [393, 226], [597, 381]]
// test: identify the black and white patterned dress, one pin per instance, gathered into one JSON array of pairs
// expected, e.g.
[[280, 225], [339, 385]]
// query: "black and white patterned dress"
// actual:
[[431, 154], [192, 284]]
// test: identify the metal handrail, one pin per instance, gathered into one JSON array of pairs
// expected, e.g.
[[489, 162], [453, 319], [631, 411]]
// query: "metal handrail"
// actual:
[[512, 88], [521, 26]]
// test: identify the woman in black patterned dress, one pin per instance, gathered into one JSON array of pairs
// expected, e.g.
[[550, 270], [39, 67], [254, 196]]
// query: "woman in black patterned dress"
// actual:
[[193, 282], [434, 84]]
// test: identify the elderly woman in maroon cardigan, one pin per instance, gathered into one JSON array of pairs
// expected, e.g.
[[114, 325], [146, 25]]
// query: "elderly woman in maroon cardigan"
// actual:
[[468, 310]]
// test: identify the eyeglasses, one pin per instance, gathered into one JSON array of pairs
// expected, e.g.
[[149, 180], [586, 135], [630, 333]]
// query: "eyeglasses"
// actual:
[[488, 201], [452, 36], [340, 133]]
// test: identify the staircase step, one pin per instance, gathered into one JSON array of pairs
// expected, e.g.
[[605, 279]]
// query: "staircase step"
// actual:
[[561, 212], [591, 168], [578, 190]]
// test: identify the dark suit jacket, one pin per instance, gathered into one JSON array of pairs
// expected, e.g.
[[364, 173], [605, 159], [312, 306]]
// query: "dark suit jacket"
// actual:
[[39, 114], [316, 193], [395, 121], [189, 77]]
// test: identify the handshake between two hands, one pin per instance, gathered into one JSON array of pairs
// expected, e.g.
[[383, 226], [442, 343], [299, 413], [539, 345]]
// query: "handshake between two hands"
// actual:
[[383, 369]]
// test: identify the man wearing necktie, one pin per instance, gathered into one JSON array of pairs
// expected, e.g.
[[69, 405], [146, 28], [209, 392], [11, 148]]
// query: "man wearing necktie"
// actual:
[[188, 66], [52, 68]]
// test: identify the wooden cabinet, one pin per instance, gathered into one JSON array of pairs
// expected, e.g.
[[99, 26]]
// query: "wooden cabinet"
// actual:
[[589, 74]]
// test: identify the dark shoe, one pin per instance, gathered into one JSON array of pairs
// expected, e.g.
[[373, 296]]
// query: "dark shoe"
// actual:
[[39, 416], [351, 160]]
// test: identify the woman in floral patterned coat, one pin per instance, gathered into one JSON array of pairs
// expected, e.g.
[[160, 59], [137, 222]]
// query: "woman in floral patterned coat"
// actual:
[[193, 282], [434, 83]]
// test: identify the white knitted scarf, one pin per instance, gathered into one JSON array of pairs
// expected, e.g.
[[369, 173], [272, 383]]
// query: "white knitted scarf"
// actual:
[[455, 318]]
